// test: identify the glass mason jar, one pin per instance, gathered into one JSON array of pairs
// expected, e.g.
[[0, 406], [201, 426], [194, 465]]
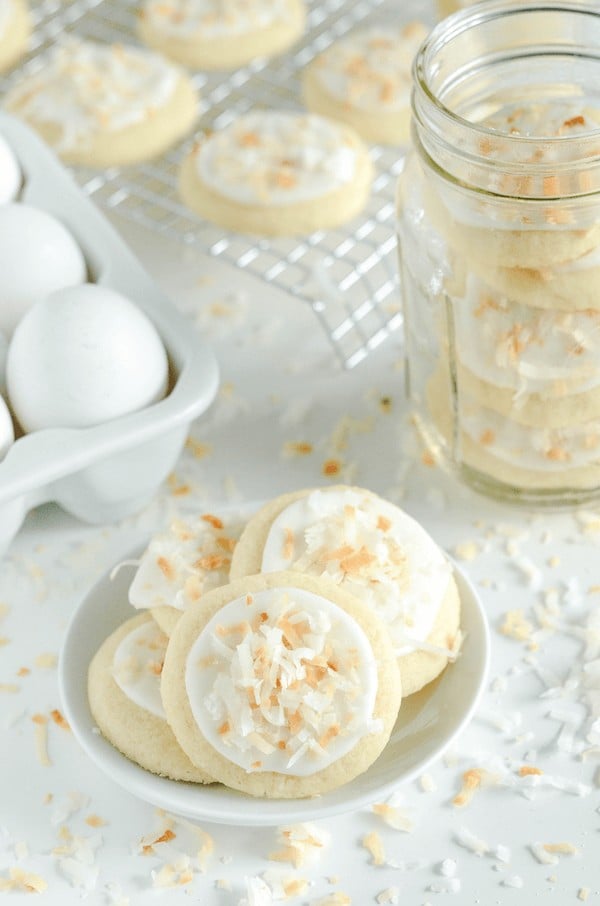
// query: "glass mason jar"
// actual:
[[499, 242]]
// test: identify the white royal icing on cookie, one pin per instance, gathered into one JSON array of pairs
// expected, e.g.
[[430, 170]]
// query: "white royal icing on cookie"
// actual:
[[277, 158], [183, 563], [371, 69], [370, 548], [137, 666], [525, 349], [540, 449], [85, 88], [214, 18], [282, 680]]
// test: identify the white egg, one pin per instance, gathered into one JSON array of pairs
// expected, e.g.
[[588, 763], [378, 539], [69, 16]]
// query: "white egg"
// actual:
[[7, 431], [10, 173], [38, 255], [82, 356]]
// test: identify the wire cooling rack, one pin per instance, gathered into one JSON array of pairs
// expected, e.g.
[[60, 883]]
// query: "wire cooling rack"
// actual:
[[348, 275]]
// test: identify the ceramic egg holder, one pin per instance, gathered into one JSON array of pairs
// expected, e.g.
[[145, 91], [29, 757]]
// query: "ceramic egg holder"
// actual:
[[104, 472]]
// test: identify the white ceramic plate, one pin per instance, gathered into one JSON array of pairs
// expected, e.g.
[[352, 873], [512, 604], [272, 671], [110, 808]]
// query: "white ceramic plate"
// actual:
[[428, 722]]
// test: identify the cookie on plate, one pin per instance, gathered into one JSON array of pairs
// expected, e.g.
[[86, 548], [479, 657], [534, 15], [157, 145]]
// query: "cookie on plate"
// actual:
[[104, 105], [365, 80], [15, 32], [276, 173], [281, 685], [372, 549], [181, 564], [205, 34], [124, 696]]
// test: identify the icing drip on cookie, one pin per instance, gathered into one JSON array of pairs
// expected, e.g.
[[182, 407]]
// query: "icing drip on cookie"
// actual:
[[283, 680], [85, 88], [6, 14], [277, 158], [370, 548], [371, 69], [214, 18], [542, 449], [137, 666], [183, 563], [527, 349]]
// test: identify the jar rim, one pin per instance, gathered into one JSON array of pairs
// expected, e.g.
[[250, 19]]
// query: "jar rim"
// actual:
[[447, 135], [481, 12]]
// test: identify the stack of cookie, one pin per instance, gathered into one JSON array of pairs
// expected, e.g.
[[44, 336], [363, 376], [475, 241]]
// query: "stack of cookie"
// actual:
[[273, 656], [526, 323]]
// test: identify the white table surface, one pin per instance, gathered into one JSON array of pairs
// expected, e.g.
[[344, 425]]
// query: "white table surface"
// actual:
[[279, 384]]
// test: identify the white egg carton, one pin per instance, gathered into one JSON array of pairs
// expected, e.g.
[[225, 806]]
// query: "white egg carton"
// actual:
[[107, 471]]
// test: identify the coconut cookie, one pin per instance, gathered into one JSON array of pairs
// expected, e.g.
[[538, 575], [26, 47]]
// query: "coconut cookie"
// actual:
[[15, 32], [365, 81], [209, 34], [371, 548], [281, 685], [124, 696], [102, 105], [497, 445], [541, 233], [543, 364], [278, 173], [180, 565]]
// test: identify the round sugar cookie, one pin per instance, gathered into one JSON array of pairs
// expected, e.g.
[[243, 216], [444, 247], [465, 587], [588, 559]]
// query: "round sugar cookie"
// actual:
[[281, 685], [537, 410], [205, 34], [527, 218], [180, 564], [106, 105], [15, 32], [523, 350], [124, 697], [277, 173], [485, 247], [364, 80], [537, 458], [372, 549]]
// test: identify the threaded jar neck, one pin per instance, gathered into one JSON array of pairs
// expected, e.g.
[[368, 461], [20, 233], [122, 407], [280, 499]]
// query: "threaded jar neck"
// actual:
[[506, 100]]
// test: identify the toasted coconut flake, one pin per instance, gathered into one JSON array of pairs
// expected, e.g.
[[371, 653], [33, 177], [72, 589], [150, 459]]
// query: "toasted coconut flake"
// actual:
[[467, 550], [583, 893], [10, 688], [59, 720], [468, 840], [374, 845], [472, 780], [301, 844], [516, 626], [528, 770], [393, 816], [41, 739], [18, 879], [46, 661], [95, 821], [173, 874], [389, 895]]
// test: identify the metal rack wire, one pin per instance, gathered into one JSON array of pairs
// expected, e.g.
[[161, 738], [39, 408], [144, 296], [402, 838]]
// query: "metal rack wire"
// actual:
[[348, 275]]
